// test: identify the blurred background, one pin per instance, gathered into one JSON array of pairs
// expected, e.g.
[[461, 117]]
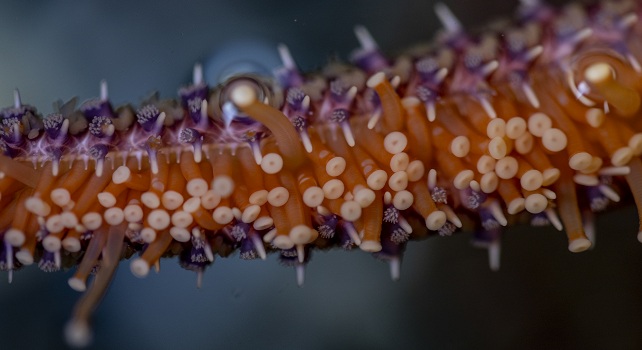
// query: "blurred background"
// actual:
[[543, 296]]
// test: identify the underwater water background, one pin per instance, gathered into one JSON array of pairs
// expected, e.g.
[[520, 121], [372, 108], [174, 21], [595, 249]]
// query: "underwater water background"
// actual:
[[543, 296]]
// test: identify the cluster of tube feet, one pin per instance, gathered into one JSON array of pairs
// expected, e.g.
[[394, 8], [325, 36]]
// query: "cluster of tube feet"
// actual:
[[540, 123]]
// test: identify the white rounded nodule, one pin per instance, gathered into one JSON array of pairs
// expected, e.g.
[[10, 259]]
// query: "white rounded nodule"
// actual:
[[370, 246], [243, 95], [139, 268], [77, 284]]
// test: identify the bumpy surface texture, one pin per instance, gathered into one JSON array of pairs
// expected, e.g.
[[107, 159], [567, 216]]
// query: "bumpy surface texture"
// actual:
[[537, 120]]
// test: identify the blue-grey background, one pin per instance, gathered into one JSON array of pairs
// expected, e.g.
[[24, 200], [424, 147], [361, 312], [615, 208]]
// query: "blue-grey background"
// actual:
[[543, 296]]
